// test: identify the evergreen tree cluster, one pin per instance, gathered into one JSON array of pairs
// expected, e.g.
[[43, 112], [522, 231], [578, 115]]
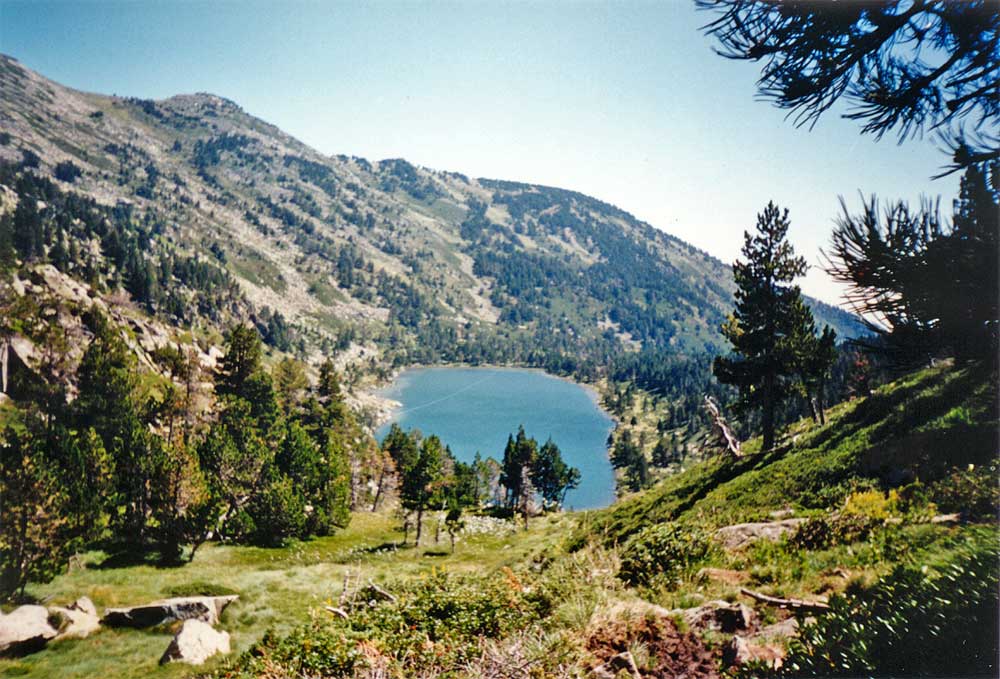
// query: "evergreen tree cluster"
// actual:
[[131, 469], [528, 470], [63, 228], [429, 477]]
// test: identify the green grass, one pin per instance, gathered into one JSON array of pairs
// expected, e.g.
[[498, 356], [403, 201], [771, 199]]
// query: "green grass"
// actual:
[[278, 588], [921, 427], [326, 293], [257, 269]]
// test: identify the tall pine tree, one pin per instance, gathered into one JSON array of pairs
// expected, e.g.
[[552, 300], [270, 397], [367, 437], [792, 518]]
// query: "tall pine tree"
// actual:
[[762, 362]]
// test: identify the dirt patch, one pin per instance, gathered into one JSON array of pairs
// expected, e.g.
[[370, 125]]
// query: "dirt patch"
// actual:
[[724, 575], [671, 653]]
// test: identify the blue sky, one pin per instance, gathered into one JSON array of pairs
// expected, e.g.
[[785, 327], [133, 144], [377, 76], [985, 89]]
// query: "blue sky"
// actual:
[[624, 101]]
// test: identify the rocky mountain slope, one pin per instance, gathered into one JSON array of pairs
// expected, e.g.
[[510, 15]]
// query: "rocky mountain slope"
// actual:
[[220, 215]]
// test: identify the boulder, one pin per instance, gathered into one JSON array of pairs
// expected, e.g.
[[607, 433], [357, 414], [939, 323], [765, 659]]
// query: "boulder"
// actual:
[[742, 534], [768, 645], [789, 627], [26, 629], [79, 619], [204, 608], [84, 605], [194, 643], [741, 650], [720, 616]]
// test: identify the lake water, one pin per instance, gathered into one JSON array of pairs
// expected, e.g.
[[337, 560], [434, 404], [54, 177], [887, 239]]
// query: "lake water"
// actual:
[[475, 409]]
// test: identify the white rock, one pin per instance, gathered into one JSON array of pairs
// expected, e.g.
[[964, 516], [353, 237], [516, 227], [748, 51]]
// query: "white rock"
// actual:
[[195, 643], [26, 629], [84, 605], [80, 619]]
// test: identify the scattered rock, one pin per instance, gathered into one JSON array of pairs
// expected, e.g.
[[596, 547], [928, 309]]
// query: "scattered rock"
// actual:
[[782, 513], [601, 672], [789, 627], [768, 645], [720, 616], [742, 534], [84, 605], [24, 630], [741, 650], [204, 608], [195, 643], [79, 619]]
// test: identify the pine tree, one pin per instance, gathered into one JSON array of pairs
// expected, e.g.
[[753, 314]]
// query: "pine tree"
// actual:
[[240, 362], [423, 480], [108, 383], [762, 362], [518, 457], [814, 53], [923, 287], [814, 357], [290, 384], [33, 542], [664, 452], [637, 472], [551, 476]]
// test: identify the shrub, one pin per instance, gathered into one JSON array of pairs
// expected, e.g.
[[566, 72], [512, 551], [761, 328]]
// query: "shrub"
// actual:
[[909, 623], [435, 627], [971, 490], [661, 554], [873, 504], [67, 171], [823, 532]]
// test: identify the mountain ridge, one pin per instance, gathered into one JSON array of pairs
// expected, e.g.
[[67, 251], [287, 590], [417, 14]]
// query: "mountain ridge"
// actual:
[[417, 265]]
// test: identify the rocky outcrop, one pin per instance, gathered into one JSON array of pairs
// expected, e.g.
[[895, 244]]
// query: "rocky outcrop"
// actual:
[[767, 645], [204, 608], [742, 650], [742, 534], [79, 619], [194, 643], [24, 630], [720, 616]]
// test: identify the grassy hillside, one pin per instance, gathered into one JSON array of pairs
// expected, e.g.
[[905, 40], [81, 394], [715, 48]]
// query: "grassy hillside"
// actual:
[[921, 428], [576, 589]]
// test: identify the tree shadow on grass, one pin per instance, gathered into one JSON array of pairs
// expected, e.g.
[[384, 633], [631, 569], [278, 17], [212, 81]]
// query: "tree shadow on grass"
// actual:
[[388, 546], [128, 556]]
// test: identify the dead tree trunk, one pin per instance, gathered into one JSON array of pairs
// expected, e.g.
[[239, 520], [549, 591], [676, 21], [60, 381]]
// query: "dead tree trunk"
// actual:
[[797, 604], [725, 433]]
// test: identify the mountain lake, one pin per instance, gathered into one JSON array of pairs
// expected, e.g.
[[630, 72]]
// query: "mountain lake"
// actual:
[[475, 409]]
